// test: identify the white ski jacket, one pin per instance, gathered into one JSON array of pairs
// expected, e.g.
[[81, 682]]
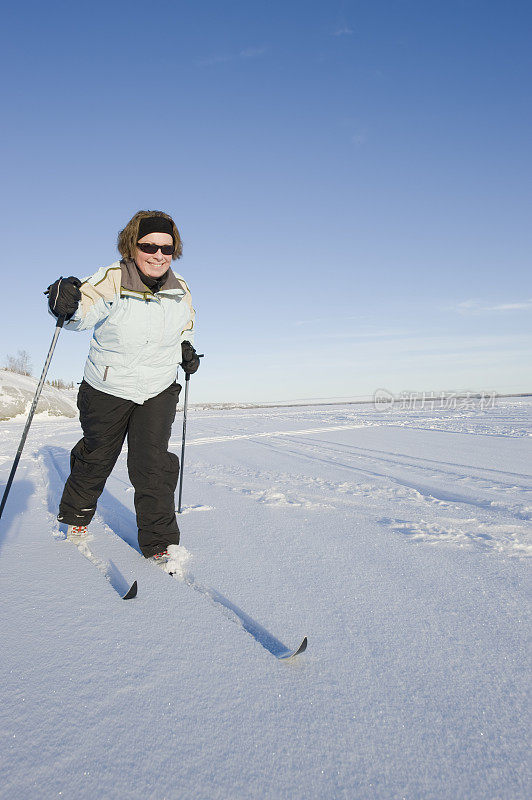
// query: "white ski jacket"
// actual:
[[136, 345]]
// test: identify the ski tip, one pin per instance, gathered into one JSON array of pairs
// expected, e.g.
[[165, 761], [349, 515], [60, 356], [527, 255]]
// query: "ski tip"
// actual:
[[292, 653], [131, 592]]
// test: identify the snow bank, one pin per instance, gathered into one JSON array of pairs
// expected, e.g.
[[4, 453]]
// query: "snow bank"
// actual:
[[18, 391]]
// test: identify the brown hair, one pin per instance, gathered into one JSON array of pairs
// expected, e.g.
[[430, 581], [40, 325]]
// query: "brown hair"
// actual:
[[128, 237]]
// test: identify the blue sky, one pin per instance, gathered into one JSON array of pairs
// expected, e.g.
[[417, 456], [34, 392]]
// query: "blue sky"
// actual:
[[351, 181]]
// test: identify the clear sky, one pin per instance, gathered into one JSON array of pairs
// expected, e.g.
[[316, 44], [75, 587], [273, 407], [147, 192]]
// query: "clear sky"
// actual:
[[351, 181]]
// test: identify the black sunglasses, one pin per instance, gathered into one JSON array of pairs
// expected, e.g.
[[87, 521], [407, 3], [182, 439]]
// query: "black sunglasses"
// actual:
[[148, 247]]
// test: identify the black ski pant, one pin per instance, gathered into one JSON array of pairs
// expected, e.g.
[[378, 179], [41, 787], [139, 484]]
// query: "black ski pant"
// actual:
[[106, 420]]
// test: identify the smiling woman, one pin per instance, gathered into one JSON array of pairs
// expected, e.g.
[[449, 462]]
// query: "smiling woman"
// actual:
[[146, 222], [143, 321], [152, 242]]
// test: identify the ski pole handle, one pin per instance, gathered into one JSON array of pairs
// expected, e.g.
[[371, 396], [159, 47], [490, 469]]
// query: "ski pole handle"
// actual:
[[188, 374]]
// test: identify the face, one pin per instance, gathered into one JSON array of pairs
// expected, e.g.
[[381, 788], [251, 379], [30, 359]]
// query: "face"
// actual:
[[153, 265]]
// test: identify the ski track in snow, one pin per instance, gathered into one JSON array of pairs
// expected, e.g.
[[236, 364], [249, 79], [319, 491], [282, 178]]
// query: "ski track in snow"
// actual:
[[389, 477], [396, 540]]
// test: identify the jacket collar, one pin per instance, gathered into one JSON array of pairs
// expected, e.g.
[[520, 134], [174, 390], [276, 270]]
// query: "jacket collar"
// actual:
[[132, 282]]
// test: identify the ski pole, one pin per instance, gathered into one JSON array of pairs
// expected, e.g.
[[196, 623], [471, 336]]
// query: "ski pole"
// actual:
[[58, 326], [185, 405]]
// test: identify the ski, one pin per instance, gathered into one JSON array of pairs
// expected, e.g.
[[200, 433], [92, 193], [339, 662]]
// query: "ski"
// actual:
[[237, 615], [131, 592], [107, 569], [292, 653]]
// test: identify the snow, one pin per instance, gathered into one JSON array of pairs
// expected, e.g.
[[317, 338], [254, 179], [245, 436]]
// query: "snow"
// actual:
[[397, 540], [17, 393]]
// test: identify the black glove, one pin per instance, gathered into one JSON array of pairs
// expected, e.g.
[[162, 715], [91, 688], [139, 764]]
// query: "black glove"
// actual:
[[190, 361], [64, 296]]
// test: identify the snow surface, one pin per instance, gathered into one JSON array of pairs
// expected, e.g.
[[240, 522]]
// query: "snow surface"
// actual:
[[397, 541]]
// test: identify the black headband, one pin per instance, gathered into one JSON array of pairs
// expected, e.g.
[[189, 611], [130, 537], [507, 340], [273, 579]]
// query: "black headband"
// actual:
[[155, 225]]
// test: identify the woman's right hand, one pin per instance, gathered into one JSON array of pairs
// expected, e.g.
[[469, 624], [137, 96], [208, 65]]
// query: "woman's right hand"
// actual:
[[64, 296]]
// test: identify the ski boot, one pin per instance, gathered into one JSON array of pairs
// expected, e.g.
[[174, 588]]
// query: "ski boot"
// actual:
[[76, 533], [172, 560]]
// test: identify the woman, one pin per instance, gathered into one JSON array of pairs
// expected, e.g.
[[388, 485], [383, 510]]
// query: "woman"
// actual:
[[143, 321]]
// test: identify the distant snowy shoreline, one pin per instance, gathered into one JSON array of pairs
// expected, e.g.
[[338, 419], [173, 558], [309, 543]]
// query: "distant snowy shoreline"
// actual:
[[17, 392], [412, 398]]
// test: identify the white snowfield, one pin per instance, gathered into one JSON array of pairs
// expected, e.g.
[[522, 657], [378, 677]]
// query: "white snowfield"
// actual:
[[396, 540]]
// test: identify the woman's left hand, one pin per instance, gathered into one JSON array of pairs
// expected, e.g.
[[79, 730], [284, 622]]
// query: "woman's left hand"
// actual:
[[190, 359]]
